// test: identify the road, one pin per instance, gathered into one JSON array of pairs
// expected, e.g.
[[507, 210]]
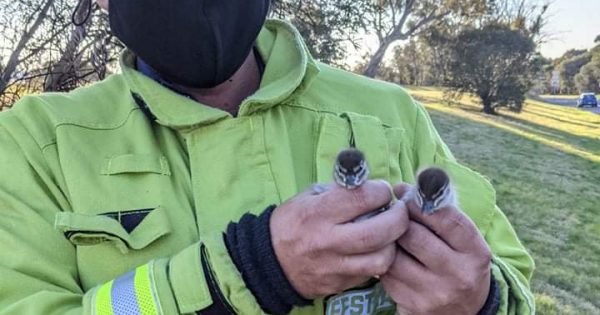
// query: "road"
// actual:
[[570, 103]]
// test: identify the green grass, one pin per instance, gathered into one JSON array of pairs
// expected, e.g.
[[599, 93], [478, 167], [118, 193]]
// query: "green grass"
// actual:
[[545, 166]]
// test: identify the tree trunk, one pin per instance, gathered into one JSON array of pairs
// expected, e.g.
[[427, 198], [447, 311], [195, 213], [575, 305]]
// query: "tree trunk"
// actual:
[[68, 64], [13, 60], [487, 107], [373, 66]]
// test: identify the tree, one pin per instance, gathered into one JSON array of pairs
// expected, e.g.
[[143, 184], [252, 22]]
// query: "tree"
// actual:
[[571, 53], [542, 74], [494, 63], [397, 20], [32, 17], [46, 52], [588, 78], [411, 64], [62, 72], [328, 27], [423, 59], [569, 68]]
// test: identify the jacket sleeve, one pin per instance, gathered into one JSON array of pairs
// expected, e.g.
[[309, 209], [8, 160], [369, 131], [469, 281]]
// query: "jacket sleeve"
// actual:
[[512, 266], [38, 264]]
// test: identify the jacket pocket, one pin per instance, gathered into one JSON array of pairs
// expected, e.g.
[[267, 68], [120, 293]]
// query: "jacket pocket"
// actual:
[[381, 144], [135, 163], [127, 230]]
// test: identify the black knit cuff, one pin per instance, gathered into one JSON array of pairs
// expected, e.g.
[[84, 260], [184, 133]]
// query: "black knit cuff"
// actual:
[[250, 248], [492, 304]]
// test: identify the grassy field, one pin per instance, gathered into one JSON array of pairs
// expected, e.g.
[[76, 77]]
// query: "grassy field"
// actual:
[[545, 166]]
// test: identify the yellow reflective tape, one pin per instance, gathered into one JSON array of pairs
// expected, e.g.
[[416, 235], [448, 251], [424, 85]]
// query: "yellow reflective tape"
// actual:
[[143, 291], [103, 299]]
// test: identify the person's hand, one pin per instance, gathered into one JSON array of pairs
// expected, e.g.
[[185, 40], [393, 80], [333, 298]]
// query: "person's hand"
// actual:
[[322, 252], [443, 265]]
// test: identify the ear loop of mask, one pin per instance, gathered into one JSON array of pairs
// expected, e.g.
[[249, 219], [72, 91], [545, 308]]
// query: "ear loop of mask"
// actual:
[[87, 14]]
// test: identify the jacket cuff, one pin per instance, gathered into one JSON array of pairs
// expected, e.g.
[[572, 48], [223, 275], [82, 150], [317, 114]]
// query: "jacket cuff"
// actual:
[[225, 277], [492, 303], [515, 295], [188, 280], [173, 285], [250, 247], [220, 305]]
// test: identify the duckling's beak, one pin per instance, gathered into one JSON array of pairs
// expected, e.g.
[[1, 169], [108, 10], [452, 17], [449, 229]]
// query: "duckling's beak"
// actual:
[[351, 182], [427, 207]]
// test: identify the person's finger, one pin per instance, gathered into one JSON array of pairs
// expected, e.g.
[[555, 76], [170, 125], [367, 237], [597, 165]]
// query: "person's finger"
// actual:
[[371, 264], [400, 190], [408, 270], [371, 234], [425, 246], [408, 300], [335, 283], [343, 205], [453, 226], [403, 295]]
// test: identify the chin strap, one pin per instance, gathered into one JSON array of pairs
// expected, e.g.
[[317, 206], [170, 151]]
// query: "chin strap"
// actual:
[[88, 12]]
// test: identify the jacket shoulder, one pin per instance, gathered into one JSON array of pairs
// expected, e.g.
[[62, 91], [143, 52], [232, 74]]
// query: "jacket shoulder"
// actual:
[[102, 105], [339, 91]]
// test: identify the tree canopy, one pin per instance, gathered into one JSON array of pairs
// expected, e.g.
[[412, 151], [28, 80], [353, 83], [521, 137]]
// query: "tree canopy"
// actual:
[[588, 77], [494, 63]]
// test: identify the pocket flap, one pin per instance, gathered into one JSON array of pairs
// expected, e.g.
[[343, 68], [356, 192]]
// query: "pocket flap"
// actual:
[[380, 144], [135, 163], [82, 229], [370, 137], [334, 136]]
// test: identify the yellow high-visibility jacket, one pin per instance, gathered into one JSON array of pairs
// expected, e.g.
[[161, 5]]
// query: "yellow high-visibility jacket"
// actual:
[[110, 194]]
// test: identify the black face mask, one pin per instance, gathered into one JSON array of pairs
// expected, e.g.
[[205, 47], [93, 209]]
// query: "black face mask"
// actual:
[[196, 43]]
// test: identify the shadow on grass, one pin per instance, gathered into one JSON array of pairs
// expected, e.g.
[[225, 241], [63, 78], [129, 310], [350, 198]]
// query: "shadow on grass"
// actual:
[[560, 119], [579, 141], [537, 127], [562, 128], [502, 123], [563, 111], [448, 102]]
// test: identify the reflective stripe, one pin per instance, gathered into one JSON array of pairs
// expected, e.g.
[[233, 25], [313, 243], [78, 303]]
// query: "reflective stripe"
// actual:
[[130, 294], [103, 298], [143, 291], [123, 296]]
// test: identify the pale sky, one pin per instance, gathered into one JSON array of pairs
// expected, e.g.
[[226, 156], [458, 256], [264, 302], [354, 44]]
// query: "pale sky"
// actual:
[[572, 24]]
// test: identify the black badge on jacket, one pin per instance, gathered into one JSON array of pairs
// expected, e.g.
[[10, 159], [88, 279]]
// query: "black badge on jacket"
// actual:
[[196, 43]]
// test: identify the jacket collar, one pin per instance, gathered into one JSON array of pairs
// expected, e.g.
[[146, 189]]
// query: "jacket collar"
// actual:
[[289, 70]]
